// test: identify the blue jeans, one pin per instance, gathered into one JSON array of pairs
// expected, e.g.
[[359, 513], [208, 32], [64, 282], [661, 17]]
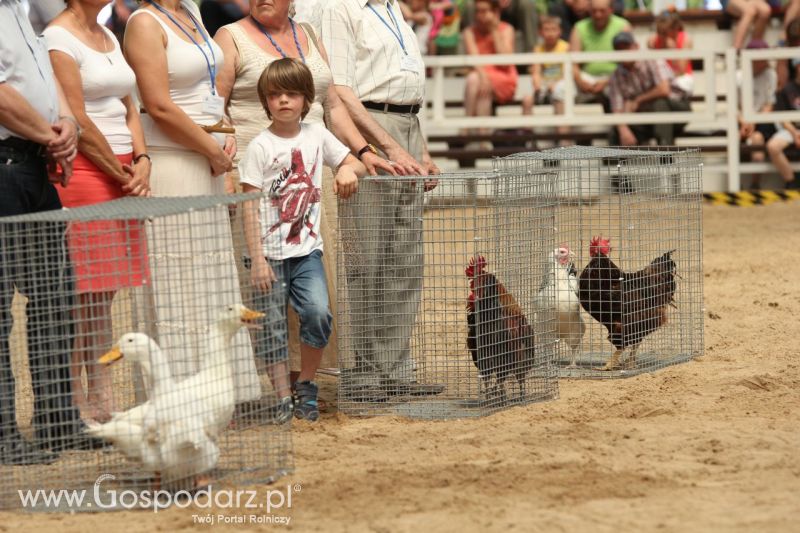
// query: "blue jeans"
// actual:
[[35, 261], [301, 284]]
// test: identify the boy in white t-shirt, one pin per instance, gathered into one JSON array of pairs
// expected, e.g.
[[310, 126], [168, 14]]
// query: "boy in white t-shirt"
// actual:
[[282, 229]]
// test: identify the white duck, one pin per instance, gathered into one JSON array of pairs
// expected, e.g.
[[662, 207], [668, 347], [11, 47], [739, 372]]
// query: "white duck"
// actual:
[[175, 431]]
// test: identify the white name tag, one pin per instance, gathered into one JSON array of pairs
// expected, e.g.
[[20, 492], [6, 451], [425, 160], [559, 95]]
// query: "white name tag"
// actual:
[[214, 105], [408, 63]]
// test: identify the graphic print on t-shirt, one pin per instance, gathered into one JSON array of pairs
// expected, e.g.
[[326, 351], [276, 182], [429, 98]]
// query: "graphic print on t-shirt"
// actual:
[[294, 194]]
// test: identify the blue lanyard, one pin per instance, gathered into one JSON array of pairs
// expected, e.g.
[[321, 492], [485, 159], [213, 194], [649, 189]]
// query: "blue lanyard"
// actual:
[[278, 48], [397, 34], [212, 68]]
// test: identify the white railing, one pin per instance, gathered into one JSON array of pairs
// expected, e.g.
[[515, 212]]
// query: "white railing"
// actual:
[[710, 117]]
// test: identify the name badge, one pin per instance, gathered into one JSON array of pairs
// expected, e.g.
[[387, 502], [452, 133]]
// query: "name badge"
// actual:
[[214, 105], [408, 63]]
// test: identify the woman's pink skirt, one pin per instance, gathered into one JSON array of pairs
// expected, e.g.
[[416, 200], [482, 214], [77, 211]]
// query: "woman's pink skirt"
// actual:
[[107, 254]]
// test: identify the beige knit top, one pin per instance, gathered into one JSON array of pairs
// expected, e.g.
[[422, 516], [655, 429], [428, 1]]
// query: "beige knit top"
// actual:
[[244, 108]]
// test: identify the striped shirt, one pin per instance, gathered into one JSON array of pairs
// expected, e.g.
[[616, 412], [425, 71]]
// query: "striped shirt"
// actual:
[[366, 41], [627, 84]]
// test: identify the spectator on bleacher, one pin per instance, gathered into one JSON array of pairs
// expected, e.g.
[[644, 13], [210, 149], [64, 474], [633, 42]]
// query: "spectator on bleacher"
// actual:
[[488, 84], [670, 35], [111, 163], [446, 31], [644, 86], [596, 34], [750, 13], [765, 83], [548, 78], [569, 12], [218, 13], [787, 138], [523, 15], [792, 40], [419, 17]]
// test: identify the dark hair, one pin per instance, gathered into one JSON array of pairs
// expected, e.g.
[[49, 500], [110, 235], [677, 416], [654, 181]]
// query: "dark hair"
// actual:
[[549, 19], [669, 20], [289, 75], [494, 3]]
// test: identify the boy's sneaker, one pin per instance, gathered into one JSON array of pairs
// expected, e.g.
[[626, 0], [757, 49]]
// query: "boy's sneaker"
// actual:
[[283, 411], [306, 405]]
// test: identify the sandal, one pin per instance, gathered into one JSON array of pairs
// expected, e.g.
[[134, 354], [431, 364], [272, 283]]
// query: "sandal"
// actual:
[[306, 405]]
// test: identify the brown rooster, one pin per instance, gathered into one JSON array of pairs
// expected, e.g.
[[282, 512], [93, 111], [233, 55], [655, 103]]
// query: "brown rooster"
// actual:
[[500, 338], [631, 305]]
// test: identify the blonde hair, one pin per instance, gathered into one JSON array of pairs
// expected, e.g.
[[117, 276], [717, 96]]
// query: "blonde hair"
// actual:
[[286, 75]]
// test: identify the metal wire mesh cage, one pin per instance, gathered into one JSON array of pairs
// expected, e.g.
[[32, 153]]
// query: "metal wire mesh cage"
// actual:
[[190, 403], [435, 302], [626, 277]]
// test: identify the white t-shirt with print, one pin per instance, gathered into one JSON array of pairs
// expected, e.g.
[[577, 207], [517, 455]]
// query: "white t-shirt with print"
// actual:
[[289, 174]]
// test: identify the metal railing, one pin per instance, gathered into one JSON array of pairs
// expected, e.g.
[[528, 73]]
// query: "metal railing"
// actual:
[[709, 117]]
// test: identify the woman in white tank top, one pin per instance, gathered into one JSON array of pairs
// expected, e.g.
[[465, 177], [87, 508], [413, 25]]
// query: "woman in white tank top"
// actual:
[[193, 268], [106, 255]]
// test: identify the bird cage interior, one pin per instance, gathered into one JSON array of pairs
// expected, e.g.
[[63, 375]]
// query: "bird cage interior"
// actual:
[[436, 291], [623, 285], [132, 359]]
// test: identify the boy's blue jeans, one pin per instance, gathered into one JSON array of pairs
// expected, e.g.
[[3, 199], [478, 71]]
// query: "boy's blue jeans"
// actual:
[[301, 283]]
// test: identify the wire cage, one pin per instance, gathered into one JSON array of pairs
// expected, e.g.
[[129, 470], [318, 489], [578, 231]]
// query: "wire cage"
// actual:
[[435, 301], [625, 278], [156, 283]]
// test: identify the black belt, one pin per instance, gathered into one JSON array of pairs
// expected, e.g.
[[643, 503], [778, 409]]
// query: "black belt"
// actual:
[[412, 109], [23, 145]]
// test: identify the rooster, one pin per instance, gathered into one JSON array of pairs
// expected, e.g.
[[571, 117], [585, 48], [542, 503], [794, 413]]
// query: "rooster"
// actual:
[[499, 337], [631, 305], [558, 294]]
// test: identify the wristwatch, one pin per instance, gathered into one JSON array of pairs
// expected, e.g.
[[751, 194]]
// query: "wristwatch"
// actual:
[[368, 148]]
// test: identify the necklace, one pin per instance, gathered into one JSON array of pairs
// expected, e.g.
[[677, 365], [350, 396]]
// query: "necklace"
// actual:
[[177, 17], [86, 28], [275, 44]]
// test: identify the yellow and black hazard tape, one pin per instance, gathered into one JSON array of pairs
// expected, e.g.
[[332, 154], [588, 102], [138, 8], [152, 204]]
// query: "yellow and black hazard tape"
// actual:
[[750, 198]]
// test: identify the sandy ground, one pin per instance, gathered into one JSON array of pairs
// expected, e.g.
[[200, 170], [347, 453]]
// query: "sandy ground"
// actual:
[[711, 445]]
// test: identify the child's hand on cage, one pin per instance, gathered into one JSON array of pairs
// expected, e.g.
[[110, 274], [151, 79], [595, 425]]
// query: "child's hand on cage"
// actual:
[[261, 274], [346, 183]]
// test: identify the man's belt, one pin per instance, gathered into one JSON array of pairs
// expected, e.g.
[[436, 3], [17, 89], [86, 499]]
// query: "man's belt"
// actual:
[[411, 109], [23, 145]]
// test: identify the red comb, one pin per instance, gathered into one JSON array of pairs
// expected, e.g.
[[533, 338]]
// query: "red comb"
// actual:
[[598, 245], [475, 266]]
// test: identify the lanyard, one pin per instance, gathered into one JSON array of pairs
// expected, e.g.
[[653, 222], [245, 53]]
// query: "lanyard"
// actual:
[[397, 34], [212, 68], [278, 48]]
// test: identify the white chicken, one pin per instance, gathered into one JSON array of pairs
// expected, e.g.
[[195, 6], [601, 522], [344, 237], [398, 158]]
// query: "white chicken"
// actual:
[[558, 294]]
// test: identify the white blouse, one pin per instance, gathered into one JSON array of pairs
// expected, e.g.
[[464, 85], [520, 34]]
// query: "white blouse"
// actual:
[[105, 78]]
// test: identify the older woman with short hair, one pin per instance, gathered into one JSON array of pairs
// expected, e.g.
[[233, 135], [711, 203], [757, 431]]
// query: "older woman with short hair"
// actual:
[[268, 34]]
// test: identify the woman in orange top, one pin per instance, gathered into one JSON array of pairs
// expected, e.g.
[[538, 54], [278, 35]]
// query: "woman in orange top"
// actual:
[[488, 83]]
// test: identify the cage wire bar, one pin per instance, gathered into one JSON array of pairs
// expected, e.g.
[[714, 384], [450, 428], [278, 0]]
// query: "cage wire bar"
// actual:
[[194, 406], [435, 295], [647, 203]]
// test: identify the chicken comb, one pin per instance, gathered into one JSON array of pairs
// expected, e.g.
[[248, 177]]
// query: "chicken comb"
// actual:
[[475, 266], [599, 246]]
